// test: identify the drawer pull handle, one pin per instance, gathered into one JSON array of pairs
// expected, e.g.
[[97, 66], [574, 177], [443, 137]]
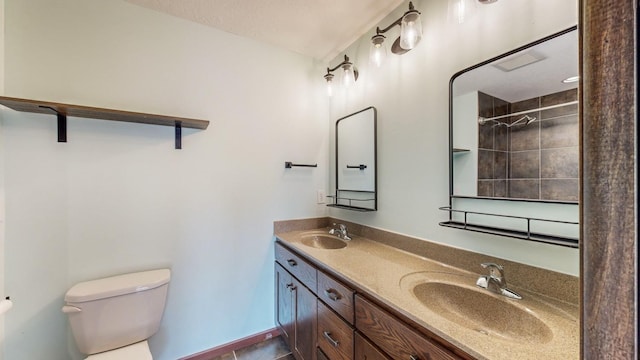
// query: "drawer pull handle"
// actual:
[[289, 285], [327, 335], [413, 357], [332, 294], [292, 262]]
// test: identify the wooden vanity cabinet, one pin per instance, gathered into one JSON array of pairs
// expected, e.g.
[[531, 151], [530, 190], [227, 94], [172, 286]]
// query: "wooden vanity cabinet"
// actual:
[[296, 304], [336, 295], [323, 319], [394, 337], [335, 336], [284, 303], [364, 350], [304, 323]]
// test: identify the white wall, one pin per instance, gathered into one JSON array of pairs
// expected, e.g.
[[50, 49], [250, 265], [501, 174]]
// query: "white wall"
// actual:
[[1, 179], [465, 169], [118, 198], [411, 95]]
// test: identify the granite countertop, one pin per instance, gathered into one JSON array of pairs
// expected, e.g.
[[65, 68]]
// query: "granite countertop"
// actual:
[[389, 276]]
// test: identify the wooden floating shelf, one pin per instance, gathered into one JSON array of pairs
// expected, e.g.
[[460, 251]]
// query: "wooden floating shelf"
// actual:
[[64, 110]]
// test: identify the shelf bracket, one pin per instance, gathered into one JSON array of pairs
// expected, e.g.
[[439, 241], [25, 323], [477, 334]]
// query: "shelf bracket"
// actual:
[[178, 135], [62, 124]]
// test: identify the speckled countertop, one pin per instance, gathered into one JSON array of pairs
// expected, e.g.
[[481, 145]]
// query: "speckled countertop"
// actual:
[[536, 327]]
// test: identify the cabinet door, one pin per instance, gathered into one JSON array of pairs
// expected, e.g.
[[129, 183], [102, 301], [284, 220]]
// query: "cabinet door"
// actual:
[[284, 303], [305, 320], [366, 351]]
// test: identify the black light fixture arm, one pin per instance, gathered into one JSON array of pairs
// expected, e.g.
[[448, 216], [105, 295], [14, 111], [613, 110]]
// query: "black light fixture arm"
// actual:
[[397, 22], [380, 32], [344, 62]]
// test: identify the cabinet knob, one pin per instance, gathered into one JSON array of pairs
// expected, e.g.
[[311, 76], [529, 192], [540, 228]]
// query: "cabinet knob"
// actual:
[[332, 294], [292, 262]]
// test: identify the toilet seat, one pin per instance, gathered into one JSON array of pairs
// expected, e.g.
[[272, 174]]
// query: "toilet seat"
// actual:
[[137, 351]]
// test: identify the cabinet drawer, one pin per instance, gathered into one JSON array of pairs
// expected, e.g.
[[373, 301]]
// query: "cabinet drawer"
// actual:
[[336, 296], [366, 351], [335, 336], [299, 268], [321, 356], [394, 337]]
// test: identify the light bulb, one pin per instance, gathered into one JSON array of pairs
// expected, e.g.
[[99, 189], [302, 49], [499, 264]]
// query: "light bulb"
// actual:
[[348, 78], [377, 52], [410, 30], [329, 78]]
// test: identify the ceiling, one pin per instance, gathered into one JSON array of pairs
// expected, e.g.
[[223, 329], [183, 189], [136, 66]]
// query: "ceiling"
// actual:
[[318, 29], [559, 61]]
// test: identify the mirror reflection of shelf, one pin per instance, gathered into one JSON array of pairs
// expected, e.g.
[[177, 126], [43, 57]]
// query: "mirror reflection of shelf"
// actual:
[[528, 234], [352, 203]]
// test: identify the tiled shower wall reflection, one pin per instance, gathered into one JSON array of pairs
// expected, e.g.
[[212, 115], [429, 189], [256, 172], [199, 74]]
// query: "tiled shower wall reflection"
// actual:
[[534, 161]]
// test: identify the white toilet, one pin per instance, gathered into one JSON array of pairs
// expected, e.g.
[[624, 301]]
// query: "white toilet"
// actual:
[[112, 318]]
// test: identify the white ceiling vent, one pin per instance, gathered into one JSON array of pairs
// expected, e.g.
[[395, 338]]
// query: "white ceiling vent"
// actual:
[[519, 60]]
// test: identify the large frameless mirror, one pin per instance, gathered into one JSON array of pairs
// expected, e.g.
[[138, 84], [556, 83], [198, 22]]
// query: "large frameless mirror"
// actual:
[[356, 167], [514, 137]]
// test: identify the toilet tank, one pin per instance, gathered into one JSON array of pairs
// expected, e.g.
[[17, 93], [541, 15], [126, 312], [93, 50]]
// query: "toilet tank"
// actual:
[[109, 313]]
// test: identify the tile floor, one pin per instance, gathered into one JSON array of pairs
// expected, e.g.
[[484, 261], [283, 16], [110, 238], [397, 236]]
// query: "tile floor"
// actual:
[[272, 349]]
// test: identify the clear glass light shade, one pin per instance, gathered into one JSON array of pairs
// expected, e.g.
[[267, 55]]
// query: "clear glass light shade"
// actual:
[[410, 30], [378, 51], [329, 78], [348, 76], [461, 10]]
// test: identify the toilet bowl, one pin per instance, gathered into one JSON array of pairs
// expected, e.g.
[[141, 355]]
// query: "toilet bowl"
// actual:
[[112, 318]]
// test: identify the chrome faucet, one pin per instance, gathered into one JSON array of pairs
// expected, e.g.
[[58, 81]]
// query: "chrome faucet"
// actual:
[[340, 231], [495, 281]]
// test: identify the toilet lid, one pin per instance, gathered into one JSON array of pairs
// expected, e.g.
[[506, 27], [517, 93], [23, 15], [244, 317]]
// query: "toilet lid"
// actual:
[[137, 351]]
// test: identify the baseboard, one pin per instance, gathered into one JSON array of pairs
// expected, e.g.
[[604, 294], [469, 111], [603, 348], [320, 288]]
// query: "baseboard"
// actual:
[[234, 345]]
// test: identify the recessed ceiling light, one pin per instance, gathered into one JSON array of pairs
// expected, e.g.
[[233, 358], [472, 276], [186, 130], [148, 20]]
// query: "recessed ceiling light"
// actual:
[[518, 60], [571, 79]]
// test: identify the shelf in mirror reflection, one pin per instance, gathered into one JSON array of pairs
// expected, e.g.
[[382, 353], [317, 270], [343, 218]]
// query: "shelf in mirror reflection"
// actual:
[[352, 203], [461, 151]]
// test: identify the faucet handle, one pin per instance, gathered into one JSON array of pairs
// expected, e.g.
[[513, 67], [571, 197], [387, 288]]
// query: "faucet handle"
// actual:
[[496, 281], [491, 265], [496, 272]]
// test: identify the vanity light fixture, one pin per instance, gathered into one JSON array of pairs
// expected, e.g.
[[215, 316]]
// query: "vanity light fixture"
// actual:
[[349, 75], [410, 35]]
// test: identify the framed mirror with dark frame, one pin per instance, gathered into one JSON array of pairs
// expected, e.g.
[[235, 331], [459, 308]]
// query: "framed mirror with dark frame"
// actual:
[[514, 143], [356, 162]]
